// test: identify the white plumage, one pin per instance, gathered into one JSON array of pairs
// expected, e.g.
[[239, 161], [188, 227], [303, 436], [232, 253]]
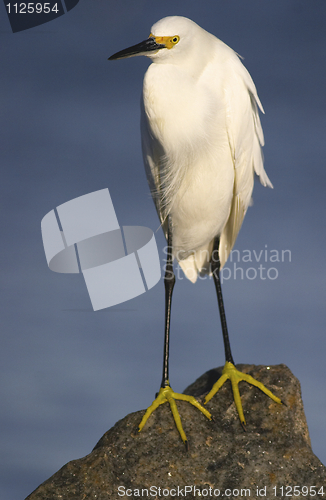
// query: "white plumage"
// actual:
[[202, 142], [202, 138]]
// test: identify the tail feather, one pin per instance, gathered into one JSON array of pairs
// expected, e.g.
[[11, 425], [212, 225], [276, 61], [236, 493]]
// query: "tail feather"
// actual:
[[198, 262]]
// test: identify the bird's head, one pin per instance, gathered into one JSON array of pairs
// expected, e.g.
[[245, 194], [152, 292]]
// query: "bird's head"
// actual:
[[169, 38]]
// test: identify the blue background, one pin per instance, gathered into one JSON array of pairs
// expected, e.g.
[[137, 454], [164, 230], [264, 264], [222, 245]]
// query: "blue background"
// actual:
[[70, 126]]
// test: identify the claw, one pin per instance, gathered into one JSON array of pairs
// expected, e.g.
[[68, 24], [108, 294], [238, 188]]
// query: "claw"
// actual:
[[166, 394], [235, 376]]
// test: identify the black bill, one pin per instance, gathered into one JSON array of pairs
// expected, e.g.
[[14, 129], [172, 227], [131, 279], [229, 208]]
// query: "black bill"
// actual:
[[142, 48]]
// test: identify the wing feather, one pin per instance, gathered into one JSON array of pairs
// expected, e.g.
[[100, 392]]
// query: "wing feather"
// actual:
[[153, 153], [246, 140]]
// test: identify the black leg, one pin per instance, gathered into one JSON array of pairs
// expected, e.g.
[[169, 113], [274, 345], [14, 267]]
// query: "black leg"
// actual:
[[215, 267], [169, 281], [229, 371], [166, 394]]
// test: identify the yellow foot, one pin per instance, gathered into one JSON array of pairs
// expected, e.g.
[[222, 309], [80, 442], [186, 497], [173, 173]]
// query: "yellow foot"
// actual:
[[235, 376], [167, 395]]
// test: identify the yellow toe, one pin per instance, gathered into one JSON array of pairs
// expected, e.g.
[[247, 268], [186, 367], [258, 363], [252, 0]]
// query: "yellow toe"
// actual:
[[235, 376], [166, 394]]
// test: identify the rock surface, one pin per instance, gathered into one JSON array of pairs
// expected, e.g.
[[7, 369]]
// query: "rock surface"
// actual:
[[272, 459]]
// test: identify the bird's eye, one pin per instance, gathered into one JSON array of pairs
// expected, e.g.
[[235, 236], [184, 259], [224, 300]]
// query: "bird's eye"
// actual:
[[175, 39], [169, 42]]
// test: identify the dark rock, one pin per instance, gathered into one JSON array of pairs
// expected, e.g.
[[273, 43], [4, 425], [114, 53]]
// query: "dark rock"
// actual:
[[273, 455]]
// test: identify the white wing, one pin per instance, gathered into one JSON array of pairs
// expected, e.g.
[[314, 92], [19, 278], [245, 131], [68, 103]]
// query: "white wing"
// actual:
[[246, 139], [153, 155]]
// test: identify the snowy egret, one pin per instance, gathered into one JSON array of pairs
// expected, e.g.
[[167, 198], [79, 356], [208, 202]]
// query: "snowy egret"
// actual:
[[202, 139]]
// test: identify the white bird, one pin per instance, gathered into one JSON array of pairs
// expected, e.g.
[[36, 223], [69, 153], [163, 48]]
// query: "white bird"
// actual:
[[202, 139]]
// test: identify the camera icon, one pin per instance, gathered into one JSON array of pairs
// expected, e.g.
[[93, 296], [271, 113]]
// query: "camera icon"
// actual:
[[118, 263]]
